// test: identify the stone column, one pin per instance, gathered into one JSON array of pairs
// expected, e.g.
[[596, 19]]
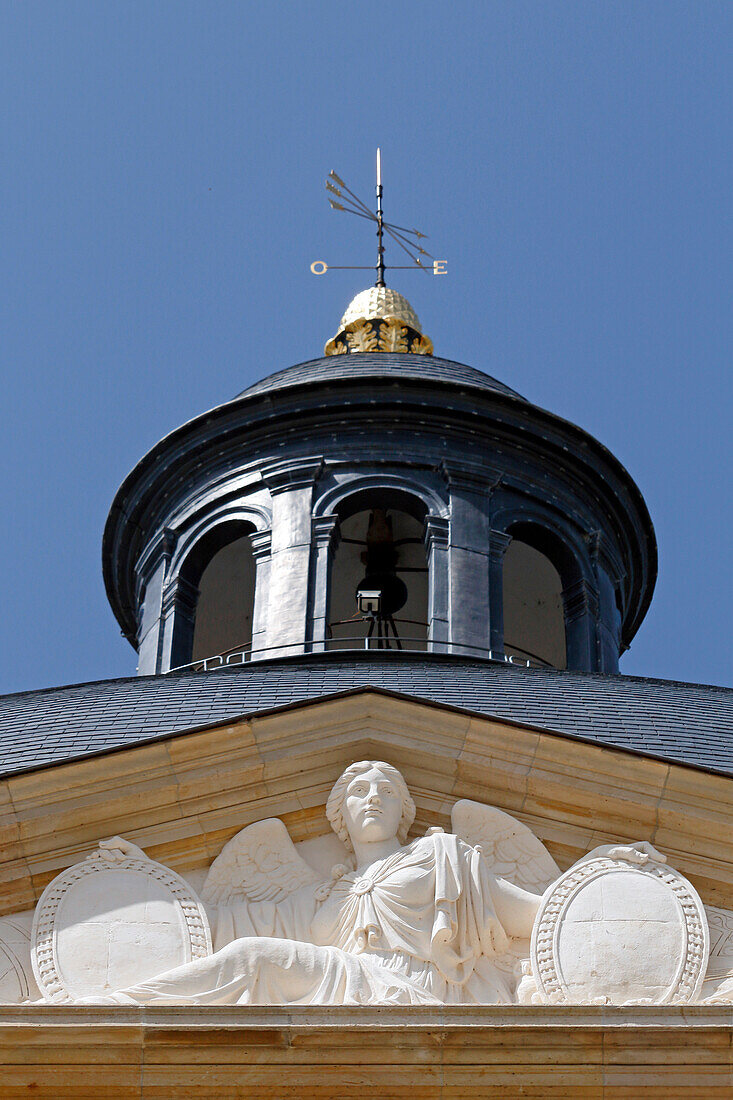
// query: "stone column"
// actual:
[[469, 563], [179, 618], [498, 545], [291, 487], [580, 607], [606, 564], [261, 542], [436, 547], [152, 570], [324, 542]]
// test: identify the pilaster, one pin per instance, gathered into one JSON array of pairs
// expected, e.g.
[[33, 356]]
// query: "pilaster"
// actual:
[[498, 546], [469, 607], [324, 542], [261, 543], [437, 536], [152, 570], [291, 487], [581, 612], [178, 615]]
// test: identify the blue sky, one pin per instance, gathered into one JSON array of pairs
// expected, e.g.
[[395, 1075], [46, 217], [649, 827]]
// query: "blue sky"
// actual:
[[161, 199]]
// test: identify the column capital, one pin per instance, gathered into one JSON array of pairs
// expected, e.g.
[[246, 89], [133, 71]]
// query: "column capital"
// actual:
[[579, 599], [181, 595], [325, 531], [470, 477], [261, 542], [299, 473], [498, 544], [437, 531], [603, 552], [161, 547]]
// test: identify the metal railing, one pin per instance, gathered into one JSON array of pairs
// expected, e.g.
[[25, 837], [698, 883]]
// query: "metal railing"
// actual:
[[244, 654]]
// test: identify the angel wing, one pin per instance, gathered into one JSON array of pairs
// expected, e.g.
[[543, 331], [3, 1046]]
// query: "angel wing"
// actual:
[[260, 863], [512, 850]]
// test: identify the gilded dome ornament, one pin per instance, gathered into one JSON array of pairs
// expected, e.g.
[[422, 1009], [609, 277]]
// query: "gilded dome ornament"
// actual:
[[379, 319]]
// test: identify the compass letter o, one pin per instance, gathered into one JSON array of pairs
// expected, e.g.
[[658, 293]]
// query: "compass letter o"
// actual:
[[318, 267]]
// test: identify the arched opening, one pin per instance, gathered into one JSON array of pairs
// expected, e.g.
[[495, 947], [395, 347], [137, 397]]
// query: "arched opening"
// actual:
[[220, 573], [381, 550], [534, 621]]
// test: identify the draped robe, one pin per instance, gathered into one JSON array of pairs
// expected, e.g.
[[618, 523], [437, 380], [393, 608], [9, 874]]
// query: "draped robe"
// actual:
[[418, 927]]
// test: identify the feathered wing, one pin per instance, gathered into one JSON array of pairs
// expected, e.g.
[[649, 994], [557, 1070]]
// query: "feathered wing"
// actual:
[[260, 863], [510, 848], [512, 851]]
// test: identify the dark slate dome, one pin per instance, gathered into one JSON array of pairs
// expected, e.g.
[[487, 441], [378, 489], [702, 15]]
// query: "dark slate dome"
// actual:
[[383, 365]]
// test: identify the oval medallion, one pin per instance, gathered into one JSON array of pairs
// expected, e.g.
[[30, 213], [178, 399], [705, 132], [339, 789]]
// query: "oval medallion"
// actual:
[[613, 932], [101, 927]]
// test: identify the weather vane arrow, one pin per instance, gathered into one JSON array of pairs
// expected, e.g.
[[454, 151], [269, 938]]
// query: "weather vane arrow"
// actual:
[[406, 239]]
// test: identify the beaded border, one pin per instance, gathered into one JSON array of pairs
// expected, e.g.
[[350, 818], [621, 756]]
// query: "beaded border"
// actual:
[[691, 972], [43, 950]]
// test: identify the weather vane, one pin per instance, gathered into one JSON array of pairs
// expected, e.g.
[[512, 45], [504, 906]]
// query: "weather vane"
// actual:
[[407, 239]]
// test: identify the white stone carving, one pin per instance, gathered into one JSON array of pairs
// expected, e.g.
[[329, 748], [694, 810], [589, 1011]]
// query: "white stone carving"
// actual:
[[259, 864], [425, 922], [718, 985], [17, 983], [445, 918], [512, 850], [104, 924], [615, 932]]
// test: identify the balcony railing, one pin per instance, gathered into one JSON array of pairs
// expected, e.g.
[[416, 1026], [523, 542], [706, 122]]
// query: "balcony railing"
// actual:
[[420, 644]]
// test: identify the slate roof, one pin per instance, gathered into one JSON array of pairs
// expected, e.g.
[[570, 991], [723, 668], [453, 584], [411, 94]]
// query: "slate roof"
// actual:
[[686, 723], [425, 368]]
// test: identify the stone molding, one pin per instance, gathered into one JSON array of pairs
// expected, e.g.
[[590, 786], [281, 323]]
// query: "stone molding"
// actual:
[[261, 543], [180, 595], [357, 480], [437, 532], [162, 546], [471, 478], [296, 473], [325, 531], [499, 543], [571, 1053]]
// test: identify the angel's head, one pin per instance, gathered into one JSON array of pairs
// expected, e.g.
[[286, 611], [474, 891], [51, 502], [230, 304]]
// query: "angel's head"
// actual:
[[370, 800]]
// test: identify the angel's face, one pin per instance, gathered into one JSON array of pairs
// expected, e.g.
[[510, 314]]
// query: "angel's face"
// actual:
[[372, 807]]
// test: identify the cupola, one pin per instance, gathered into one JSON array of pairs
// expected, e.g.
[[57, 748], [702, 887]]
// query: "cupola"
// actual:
[[379, 496]]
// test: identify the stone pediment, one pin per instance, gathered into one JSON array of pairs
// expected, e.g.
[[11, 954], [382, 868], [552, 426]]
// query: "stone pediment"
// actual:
[[182, 798], [190, 801]]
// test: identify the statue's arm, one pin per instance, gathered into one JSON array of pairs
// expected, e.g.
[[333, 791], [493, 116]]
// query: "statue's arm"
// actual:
[[515, 907]]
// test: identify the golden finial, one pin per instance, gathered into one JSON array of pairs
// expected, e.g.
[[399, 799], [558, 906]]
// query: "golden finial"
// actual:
[[379, 319]]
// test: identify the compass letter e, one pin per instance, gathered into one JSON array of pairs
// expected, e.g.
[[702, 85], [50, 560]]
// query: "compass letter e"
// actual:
[[440, 267]]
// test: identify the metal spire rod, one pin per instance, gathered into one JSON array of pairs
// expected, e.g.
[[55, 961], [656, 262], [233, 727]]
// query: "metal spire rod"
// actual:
[[380, 242]]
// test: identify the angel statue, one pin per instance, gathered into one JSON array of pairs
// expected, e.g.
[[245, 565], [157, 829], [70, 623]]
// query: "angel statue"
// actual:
[[442, 919]]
